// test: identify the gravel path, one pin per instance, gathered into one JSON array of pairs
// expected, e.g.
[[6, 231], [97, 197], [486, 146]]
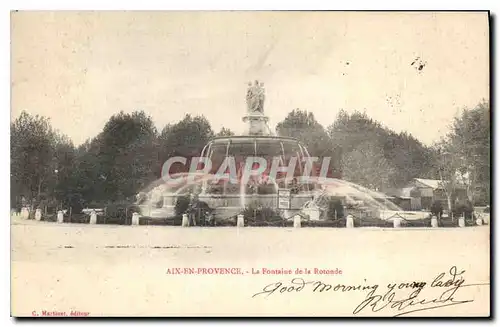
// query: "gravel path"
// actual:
[[123, 270]]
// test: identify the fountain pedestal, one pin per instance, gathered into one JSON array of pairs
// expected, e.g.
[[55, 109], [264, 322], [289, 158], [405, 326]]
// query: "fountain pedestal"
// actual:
[[257, 124]]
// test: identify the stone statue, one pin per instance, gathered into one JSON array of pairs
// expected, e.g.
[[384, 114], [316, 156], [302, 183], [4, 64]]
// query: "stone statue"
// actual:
[[261, 97], [255, 97]]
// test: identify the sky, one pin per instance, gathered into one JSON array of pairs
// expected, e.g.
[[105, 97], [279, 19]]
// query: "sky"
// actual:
[[411, 71]]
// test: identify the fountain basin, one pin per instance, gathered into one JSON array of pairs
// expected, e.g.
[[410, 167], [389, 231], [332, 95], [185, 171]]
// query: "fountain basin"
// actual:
[[228, 206]]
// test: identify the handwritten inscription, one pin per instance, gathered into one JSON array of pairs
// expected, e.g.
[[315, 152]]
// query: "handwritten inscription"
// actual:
[[395, 298]]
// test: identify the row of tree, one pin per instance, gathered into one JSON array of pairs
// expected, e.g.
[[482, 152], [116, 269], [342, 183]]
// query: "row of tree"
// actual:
[[46, 168]]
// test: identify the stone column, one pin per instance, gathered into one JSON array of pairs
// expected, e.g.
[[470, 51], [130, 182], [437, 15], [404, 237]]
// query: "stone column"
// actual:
[[434, 222], [461, 221]]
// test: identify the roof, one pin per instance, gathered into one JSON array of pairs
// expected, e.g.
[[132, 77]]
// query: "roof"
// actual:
[[405, 192], [433, 183]]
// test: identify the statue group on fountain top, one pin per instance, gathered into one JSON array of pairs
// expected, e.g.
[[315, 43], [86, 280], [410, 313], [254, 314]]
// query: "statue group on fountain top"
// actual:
[[255, 97]]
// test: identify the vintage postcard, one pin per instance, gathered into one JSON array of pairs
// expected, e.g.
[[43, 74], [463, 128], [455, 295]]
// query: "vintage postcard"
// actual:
[[277, 164]]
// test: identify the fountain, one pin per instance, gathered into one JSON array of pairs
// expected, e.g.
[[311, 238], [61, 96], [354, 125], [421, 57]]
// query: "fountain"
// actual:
[[252, 170]]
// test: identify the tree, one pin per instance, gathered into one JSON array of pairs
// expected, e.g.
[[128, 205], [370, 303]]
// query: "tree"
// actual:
[[120, 161], [32, 148], [225, 132], [367, 166], [302, 125], [463, 156], [185, 138], [406, 155], [470, 143], [64, 160], [447, 165], [41, 161]]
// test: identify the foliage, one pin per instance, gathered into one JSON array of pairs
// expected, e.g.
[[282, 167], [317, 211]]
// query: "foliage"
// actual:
[[116, 212], [463, 209], [437, 208], [303, 126], [225, 132], [463, 156], [260, 214], [41, 161], [367, 166], [335, 209], [182, 205], [185, 138], [127, 155], [195, 209], [470, 141], [393, 159]]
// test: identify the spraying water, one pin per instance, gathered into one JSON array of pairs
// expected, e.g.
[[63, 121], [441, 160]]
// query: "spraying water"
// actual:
[[323, 189]]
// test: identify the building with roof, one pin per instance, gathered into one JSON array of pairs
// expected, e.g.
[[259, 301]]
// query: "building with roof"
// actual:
[[420, 193]]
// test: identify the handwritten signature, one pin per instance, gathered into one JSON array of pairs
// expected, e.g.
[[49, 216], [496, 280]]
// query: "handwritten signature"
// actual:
[[377, 298]]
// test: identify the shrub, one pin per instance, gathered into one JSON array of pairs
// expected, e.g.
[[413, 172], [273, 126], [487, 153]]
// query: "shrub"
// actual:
[[335, 207], [437, 208], [117, 213], [256, 215], [266, 189], [463, 209], [181, 205]]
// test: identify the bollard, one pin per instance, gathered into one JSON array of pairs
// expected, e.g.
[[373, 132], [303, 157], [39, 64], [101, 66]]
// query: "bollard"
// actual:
[[240, 222], [93, 218], [185, 220], [38, 214], [25, 214], [486, 219], [397, 222], [461, 222], [434, 222], [135, 218], [479, 221], [349, 223], [60, 217], [296, 221]]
